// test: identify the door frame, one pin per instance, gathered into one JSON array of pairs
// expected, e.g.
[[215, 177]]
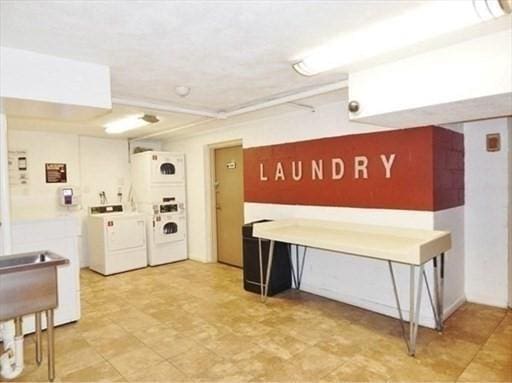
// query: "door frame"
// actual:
[[211, 219], [5, 199]]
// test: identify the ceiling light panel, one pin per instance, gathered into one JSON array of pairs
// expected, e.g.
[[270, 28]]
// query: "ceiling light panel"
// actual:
[[125, 124], [427, 21]]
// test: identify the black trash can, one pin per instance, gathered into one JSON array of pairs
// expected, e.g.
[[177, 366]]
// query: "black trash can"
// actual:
[[280, 277]]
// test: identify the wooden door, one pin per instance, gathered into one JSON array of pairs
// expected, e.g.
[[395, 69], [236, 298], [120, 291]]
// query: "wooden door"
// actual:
[[229, 198]]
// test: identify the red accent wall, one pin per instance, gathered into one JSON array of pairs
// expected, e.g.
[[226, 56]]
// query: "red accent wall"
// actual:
[[427, 172]]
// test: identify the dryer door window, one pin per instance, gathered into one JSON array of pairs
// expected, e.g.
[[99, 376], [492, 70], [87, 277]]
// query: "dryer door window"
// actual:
[[170, 229], [167, 169]]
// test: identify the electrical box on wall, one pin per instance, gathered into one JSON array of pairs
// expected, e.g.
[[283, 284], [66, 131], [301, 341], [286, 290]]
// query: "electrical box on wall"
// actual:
[[493, 142], [69, 196]]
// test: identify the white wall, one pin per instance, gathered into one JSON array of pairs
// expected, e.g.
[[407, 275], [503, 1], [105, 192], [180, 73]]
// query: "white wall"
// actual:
[[487, 222], [362, 282], [452, 220], [93, 165], [39, 199]]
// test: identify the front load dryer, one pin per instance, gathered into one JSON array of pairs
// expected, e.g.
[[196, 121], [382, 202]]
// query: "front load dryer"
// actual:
[[117, 240], [167, 238], [166, 232], [156, 169]]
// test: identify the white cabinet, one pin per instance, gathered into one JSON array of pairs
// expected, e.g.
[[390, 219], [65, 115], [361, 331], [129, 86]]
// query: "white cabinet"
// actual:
[[62, 236]]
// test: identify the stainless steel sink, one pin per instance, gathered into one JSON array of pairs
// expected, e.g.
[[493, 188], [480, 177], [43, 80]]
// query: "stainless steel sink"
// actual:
[[30, 261], [28, 285]]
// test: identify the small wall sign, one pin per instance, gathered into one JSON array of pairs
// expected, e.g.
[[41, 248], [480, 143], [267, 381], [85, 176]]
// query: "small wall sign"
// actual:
[[493, 142], [56, 173], [231, 165], [18, 168]]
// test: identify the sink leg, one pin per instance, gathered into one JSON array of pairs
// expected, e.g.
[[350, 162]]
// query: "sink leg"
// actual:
[[39, 346], [51, 344]]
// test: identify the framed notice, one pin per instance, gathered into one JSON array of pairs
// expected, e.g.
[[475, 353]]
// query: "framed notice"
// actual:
[[56, 173]]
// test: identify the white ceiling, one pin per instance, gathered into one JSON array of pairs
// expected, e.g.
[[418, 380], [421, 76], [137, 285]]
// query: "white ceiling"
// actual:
[[170, 124], [94, 127], [230, 53]]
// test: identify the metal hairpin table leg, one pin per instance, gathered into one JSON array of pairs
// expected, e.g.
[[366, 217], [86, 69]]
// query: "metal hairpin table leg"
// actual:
[[39, 346], [51, 345], [415, 296], [261, 267], [433, 303], [302, 266], [297, 266], [395, 290], [415, 306], [292, 269], [269, 268]]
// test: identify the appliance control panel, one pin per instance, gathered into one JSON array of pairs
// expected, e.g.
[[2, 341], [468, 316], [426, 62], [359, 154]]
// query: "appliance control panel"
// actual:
[[106, 209]]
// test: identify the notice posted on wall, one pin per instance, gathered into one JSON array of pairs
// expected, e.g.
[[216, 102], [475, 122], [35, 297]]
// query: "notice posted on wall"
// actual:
[[56, 173], [18, 167]]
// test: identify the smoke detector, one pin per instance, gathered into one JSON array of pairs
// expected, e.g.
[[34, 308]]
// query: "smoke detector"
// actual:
[[182, 91]]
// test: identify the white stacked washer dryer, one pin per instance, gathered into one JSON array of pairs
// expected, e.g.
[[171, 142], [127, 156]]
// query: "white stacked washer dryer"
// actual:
[[159, 192]]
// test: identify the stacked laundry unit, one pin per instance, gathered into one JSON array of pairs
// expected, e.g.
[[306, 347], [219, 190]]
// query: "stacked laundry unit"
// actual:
[[159, 191]]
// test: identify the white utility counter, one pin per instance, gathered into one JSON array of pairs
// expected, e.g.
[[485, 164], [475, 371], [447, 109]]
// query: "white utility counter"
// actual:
[[391, 244], [410, 246]]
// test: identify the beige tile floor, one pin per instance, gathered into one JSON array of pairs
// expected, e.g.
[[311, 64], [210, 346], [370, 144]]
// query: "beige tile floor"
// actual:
[[193, 322]]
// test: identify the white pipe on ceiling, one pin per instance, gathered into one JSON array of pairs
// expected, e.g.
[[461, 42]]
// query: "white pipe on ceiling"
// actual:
[[164, 108], [290, 98], [251, 108], [175, 129]]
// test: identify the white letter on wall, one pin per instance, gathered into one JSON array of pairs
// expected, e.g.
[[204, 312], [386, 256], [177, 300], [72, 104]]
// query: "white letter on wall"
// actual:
[[317, 171], [297, 170], [279, 172], [263, 177], [338, 168], [388, 163], [360, 166]]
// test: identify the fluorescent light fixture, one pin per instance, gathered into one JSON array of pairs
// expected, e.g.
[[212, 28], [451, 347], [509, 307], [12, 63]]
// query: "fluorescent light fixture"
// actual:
[[124, 124], [427, 21]]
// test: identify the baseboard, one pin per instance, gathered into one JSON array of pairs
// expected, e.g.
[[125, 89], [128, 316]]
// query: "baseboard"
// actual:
[[454, 306], [426, 318], [486, 302], [199, 259]]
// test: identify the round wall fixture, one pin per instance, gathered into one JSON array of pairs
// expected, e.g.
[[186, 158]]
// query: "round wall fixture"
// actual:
[[353, 106], [182, 91]]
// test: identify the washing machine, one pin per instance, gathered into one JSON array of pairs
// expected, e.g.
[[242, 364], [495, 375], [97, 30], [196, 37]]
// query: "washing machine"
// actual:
[[117, 239], [153, 169], [166, 232]]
